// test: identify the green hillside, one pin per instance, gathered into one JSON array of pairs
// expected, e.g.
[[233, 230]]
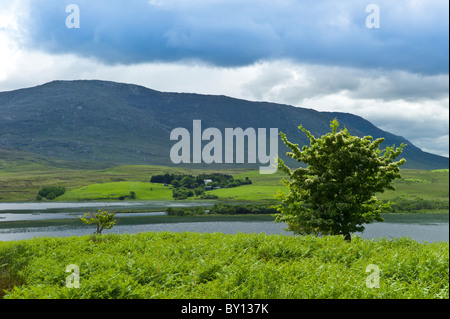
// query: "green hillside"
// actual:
[[110, 124]]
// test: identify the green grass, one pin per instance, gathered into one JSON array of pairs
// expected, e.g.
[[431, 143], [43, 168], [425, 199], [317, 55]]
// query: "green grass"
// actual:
[[111, 183], [114, 190], [431, 185], [414, 184], [446, 170], [23, 185], [194, 265], [248, 192]]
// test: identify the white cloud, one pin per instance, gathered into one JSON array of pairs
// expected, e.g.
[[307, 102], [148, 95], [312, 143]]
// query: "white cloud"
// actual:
[[9, 35], [435, 144]]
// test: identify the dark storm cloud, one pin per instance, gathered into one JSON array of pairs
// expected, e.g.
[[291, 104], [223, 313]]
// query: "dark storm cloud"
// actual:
[[412, 36]]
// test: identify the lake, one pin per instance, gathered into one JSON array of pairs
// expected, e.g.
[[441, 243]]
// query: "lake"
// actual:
[[27, 220]]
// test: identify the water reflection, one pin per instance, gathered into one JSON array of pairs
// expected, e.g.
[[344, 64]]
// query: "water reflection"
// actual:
[[84, 206], [421, 233], [8, 217], [20, 221]]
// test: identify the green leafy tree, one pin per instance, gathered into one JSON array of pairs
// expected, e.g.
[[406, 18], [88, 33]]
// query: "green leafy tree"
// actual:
[[182, 193], [187, 182], [51, 196], [51, 192], [102, 219], [335, 193], [176, 183], [199, 190]]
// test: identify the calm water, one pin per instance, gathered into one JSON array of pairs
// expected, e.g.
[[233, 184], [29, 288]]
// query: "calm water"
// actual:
[[25, 219], [56, 207]]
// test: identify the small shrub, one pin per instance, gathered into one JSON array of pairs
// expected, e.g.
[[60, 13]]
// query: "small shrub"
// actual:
[[8, 279], [103, 220], [51, 196], [208, 196], [50, 192], [182, 193]]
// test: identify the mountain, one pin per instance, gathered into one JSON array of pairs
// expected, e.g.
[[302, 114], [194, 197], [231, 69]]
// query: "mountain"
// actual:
[[116, 124]]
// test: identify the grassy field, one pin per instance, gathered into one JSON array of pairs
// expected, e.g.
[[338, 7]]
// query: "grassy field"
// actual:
[[431, 185], [23, 185], [264, 187], [194, 265], [112, 183], [114, 190]]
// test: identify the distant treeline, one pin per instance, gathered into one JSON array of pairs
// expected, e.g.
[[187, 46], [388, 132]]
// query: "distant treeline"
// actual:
[[235, 209], [222, 209], [402, 205], [185, 186], [399, 206], [190, 181]]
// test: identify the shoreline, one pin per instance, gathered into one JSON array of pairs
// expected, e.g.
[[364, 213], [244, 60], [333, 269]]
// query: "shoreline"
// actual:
[[442, 217]]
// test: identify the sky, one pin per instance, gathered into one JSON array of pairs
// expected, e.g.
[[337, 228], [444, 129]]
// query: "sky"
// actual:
[[387, 61]]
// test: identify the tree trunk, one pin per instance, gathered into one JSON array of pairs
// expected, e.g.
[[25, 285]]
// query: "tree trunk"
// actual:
[[348, 237]]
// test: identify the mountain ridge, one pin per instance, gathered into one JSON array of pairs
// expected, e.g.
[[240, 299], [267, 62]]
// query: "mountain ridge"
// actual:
[[117, 123]]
